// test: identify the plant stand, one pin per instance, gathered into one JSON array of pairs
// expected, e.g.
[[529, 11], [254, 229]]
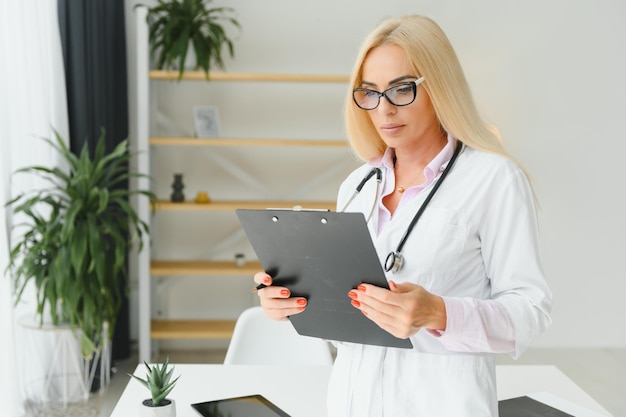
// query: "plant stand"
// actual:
[[56, 379]]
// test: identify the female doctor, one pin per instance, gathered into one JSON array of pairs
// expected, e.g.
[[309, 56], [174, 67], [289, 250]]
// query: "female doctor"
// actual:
[[465, 279]]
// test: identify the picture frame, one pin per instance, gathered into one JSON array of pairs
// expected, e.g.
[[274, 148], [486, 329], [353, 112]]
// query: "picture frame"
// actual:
[[206, 121]]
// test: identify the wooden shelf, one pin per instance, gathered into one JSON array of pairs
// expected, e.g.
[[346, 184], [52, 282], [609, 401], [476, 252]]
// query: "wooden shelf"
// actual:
[[186, 141], [233, 205], [205, 268], [239, 76], [192, 329]]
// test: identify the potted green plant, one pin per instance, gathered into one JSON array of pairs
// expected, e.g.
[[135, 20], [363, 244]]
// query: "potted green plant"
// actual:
[[72, 239], [159, 383], [174, 25]]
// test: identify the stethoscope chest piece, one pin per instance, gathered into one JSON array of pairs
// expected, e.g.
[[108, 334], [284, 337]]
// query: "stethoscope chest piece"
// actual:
[[393, 262]]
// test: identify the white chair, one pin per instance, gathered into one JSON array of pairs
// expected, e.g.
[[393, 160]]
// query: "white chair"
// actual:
[[259, 340]]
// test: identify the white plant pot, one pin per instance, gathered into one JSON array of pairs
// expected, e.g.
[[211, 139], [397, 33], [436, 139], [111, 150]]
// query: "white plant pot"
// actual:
[[162, 411]]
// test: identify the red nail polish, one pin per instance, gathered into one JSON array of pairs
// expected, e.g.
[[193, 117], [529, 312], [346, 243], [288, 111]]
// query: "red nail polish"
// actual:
[[284, 292], [356, 303], [361, 288], [301, 301], [267, 280], [352, 294]]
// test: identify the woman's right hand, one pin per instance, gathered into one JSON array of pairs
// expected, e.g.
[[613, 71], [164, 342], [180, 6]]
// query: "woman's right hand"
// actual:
[[277, 301]]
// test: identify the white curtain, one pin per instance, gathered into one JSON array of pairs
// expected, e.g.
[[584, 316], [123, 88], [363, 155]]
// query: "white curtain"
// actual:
[[32, 104]]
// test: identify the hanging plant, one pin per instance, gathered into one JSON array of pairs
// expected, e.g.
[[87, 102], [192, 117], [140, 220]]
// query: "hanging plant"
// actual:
[[174, 25]]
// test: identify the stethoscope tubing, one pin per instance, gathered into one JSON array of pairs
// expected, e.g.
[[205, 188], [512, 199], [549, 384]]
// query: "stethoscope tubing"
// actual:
[[429, 197], [394, 260], [357, 190]]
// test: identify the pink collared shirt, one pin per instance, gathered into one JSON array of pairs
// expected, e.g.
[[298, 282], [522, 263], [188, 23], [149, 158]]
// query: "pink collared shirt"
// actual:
[[467, 319], [431, 171]]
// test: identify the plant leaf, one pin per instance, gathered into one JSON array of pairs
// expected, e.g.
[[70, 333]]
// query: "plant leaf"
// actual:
[[72, 238]]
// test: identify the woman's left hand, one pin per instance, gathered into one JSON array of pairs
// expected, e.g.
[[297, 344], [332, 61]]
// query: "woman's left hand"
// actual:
[[403, 310]]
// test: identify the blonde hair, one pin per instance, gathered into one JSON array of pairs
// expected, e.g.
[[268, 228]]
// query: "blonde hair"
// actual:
[[431, 55]]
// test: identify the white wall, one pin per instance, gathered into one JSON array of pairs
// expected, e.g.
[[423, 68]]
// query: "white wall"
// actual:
[[550, 74]]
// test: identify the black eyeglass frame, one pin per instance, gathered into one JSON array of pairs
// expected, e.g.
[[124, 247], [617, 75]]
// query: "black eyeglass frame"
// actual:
[[413, 84]]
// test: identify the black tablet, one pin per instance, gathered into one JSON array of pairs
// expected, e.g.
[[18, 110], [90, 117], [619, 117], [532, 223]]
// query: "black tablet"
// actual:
[[527, 407], [248, 406]]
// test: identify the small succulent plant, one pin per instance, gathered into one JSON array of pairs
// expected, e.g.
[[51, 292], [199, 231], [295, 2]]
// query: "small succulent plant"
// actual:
[[158, 382]]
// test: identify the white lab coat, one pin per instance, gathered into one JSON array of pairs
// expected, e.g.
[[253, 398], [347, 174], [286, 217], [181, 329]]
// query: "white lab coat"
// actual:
[[477, 239]]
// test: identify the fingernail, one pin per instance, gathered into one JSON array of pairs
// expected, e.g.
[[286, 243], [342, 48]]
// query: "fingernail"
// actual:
[[352, 294], [267, 280], [300, 308], [392, 285], [284, 292], [356, 303], [361, 288], [301, 301]]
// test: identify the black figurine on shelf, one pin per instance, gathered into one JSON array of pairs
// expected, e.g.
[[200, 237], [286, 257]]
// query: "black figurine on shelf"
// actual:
[[177, 186]]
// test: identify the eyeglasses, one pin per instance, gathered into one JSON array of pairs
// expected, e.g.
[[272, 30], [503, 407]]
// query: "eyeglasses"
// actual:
[[399, 95]]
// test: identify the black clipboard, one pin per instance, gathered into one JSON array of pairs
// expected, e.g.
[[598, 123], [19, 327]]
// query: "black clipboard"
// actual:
[[321, 255]]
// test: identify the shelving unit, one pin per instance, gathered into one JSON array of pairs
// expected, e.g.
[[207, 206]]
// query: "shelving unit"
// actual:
[[169, 268], [238, 76], [233, 205], [191, 329], [149, 269], [246, 142]]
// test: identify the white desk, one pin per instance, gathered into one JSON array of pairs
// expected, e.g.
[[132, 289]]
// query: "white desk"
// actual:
[[301, 391], [548, 384]]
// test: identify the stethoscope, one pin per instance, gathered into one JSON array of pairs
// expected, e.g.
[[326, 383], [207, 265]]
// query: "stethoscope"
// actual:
[[395, 260]]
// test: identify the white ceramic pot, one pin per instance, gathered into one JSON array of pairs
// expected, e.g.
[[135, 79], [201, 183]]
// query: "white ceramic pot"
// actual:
[[168, 410]]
